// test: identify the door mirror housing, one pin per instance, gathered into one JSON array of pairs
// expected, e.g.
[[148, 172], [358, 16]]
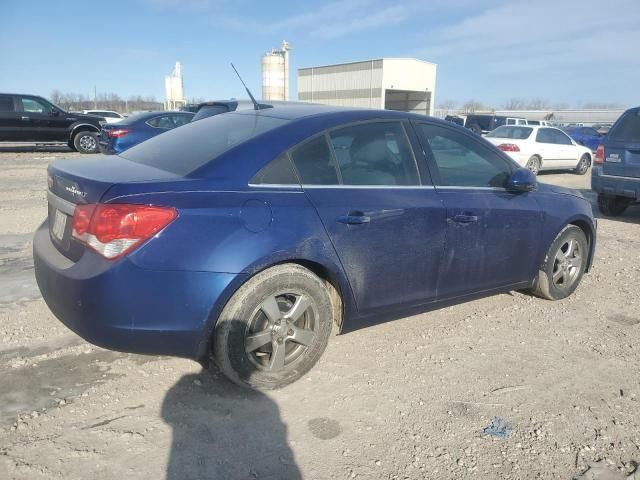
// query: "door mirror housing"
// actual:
[[522, 180], [54, 113]]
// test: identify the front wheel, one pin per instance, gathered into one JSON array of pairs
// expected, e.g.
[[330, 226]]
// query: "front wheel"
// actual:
[[564, 266], [86, 142], [612, 206], [274, 329], [583, 165]]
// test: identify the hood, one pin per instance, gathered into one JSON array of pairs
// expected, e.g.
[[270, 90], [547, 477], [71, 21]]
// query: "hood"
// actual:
[[85, 116], [545, 187]]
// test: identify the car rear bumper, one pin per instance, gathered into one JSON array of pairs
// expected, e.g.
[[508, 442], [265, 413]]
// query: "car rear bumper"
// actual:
[[120, 306], [628, 187]]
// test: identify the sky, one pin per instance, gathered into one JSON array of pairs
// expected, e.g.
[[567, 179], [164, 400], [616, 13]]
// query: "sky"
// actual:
[[568, 52]]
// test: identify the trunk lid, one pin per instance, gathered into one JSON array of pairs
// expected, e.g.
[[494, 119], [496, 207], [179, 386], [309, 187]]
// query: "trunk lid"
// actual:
[[73, 182]]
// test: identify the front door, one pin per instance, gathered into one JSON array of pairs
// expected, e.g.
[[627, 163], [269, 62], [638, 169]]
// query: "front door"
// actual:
[[492, 234], [386, 224]]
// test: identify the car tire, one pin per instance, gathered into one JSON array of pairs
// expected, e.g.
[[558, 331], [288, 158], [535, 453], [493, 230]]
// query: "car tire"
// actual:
[[534, 164], [564, 265], [612, 206], [274, 329], [86, 142], [583, 165]]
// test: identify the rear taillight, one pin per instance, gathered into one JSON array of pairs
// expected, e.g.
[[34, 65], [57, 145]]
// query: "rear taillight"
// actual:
[[599, 155], [509, 147], [116, 133], [114, 230]]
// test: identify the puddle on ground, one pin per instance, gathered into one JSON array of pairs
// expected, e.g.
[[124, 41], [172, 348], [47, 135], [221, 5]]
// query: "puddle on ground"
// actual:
[[29, 388], [17, 280], [14, 243]]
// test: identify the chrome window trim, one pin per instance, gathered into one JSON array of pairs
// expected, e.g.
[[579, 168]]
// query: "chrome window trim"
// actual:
[[403, 187]]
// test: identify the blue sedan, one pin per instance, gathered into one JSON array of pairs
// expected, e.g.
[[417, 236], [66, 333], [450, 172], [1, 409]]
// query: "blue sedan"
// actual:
[[587, 136], [116, 137], [248, 237]]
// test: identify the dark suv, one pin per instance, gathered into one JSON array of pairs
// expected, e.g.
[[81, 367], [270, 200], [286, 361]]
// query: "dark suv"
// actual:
[[29, 118], [616, 171]]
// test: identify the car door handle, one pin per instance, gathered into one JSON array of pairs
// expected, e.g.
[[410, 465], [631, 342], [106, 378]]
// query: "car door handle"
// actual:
[[354, 218], [465, 218], [25, 118]]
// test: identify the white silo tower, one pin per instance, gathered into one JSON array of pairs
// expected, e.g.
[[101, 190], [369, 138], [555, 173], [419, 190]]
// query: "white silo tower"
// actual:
[[275, 73], [174, 89]]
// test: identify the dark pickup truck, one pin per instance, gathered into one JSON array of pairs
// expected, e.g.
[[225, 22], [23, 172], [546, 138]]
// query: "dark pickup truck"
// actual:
[[30, 118]]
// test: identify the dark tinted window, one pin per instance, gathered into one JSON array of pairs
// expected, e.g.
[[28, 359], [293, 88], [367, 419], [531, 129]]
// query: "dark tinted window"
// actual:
[[209, 111], [545, 135], [31, 105], [374, 154], [179, 120], [314, 163], [590, 131], [627, 129], [185, 149], [163, 121], [277, 172], [560, 137], [516, 133], [461, 161], [6, 103]]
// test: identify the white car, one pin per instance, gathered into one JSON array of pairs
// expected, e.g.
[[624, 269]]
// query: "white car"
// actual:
[[109, 115], [540, 123], [541, 148]]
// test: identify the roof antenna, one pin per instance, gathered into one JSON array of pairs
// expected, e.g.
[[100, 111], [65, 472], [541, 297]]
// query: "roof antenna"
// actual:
[[256, 105]]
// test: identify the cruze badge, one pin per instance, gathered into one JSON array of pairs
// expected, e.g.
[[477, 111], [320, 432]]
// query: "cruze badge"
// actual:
[[75, 191]]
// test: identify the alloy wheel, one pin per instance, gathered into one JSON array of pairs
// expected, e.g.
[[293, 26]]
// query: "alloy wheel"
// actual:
[[281, 330], [567, 264], [87, 143]]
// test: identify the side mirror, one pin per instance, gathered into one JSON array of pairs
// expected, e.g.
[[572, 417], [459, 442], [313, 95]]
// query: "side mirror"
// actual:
[[54, 113], [522, 180]]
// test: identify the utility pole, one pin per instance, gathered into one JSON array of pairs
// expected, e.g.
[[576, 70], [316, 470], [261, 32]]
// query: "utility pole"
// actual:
[[95, 98]]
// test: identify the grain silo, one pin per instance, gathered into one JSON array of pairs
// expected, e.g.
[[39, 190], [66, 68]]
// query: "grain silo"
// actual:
[[174, 89], [275, 73]]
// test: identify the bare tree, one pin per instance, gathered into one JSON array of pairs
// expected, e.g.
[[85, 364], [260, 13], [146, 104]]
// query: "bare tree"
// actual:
[[105, 101], [471, 106], [538, 104], [514, 104]]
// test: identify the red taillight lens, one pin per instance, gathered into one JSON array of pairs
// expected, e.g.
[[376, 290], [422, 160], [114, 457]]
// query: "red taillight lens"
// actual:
[[509, 147], [117, 133], [113, 230], [599, 155]]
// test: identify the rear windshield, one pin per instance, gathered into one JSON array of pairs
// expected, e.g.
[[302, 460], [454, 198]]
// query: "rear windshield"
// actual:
[[627, 129], [516, 133], [185, 149]]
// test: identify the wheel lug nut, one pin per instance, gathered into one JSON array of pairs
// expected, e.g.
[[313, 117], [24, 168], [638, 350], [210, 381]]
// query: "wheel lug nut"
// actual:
[[280, 339], [289, 332]]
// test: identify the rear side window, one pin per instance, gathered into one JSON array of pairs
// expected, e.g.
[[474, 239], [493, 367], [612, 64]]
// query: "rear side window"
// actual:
[[164, 121], [374, 154], [314, 163], [185, 149], [627, 129], [6, 103], [545, 135], [277, 172]]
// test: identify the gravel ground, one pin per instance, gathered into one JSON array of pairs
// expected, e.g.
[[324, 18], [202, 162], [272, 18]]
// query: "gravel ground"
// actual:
[[404, 399]]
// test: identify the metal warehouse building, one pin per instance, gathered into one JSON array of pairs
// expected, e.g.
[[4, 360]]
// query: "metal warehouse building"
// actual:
[[405, 84]]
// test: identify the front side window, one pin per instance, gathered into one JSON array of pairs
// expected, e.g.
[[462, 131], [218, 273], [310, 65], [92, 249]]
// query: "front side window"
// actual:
[[560, 137], [314, 163], [374, 154], [461, 161], [30, 105]]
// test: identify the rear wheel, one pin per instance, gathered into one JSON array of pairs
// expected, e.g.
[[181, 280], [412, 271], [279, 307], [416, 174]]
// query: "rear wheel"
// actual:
[[583, 165], [612, 206], [86, 142], [274, 329], [534, 164], [564, 266]]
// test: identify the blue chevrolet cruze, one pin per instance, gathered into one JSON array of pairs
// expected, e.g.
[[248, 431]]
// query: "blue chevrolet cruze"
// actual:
[[247, 237]]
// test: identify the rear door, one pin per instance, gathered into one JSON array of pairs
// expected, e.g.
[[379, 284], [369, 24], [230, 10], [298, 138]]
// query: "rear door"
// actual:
[[622, 146], [11, 127], [493, 235], [384, 219], [567, 151], [550, 151]]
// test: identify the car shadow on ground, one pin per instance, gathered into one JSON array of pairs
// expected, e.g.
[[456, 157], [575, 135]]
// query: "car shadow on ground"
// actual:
[[630, 215], [221, 430], [23, 148]]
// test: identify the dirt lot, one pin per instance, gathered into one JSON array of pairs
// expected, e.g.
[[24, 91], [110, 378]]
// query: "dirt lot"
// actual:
[[405, 399]]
